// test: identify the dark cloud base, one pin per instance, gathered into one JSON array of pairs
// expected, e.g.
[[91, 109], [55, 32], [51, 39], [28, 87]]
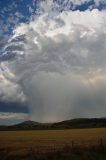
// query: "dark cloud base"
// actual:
[[13, 107]]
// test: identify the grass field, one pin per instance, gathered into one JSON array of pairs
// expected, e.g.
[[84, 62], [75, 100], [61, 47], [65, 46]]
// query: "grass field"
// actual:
[[29, 144]]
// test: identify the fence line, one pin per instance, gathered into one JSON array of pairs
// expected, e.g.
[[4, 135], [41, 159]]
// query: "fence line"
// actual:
[[98, 143]]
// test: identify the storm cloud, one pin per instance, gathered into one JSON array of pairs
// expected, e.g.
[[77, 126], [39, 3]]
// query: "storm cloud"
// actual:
[[57, 65]]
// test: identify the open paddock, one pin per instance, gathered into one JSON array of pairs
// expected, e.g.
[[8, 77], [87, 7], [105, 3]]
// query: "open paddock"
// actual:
[[24, 143]]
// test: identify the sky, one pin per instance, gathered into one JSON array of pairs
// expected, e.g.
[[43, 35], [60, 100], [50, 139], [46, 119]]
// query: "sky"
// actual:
[[52, 60]]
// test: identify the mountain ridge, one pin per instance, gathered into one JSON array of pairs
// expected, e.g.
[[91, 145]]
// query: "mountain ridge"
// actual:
[[66, 124]]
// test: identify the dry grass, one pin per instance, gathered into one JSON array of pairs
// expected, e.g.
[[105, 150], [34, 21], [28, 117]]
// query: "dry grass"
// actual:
[[24, 143]]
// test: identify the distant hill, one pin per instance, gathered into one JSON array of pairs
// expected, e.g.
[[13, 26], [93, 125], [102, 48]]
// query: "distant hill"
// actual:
[[27, 124], [67, 124], [81, 123]]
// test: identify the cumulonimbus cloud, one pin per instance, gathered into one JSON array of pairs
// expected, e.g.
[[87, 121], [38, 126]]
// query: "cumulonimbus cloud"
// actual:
[[59, 64]]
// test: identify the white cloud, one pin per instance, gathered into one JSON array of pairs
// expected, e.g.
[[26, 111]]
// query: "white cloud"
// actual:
[[97, 2], [63, 57], [48, 6], [9, 118], [9, 89]]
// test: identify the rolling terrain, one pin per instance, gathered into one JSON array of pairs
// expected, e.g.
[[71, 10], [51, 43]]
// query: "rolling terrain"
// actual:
[[67, 124]]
